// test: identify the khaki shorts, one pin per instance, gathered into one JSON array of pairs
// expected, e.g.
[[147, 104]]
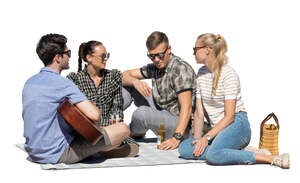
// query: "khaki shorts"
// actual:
[[80, 149]]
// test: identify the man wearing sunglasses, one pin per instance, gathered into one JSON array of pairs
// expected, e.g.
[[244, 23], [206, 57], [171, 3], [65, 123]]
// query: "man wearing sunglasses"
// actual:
[[173, 93], [49, 139]]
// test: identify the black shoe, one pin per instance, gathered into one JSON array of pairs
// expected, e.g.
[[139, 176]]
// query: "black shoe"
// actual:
[[137, 136]]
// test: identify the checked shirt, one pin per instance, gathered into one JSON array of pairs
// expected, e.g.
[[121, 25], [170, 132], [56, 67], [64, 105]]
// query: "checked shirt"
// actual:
[[107, 96]]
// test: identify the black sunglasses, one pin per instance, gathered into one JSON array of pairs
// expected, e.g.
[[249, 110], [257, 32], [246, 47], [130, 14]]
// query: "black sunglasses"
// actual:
[[197, 48], [159, 55], [103, 56], [66, 52]]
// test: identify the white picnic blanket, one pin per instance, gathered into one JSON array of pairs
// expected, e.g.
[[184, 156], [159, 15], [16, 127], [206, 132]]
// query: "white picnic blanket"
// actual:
[[148, 155]]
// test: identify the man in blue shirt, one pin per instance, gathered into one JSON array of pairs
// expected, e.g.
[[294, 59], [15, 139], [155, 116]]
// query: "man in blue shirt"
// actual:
[[49, 139]]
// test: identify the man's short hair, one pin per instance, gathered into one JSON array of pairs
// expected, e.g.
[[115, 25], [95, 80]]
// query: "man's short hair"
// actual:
[[49, 45], [155, 39]]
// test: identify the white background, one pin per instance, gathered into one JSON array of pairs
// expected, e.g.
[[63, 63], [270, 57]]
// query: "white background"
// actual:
[[263, 46]]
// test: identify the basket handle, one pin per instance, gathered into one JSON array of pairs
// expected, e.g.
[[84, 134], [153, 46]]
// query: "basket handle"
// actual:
[[265, 120], [269, 117]]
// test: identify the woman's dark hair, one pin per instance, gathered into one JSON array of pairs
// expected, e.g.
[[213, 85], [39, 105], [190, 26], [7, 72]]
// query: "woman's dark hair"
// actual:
[[49, 45], [155, 39], [85, 49]]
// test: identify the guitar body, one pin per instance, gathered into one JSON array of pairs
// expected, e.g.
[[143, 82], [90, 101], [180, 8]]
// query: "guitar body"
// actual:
[[82, 124]]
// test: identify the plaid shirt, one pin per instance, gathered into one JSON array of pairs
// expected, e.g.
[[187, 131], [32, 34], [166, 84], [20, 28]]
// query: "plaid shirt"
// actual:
[[107, 96], [177, 77]]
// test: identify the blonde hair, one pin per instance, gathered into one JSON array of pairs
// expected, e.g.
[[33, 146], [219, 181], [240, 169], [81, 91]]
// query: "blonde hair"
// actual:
[[218, 44]]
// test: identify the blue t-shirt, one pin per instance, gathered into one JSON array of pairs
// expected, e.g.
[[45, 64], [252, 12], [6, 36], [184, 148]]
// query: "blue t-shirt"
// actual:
[[47, 133]]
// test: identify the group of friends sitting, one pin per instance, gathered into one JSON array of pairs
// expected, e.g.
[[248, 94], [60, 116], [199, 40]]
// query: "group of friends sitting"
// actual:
[[203, 114]]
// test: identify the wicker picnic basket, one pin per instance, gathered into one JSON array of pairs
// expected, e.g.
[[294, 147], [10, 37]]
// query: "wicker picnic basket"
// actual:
[[269, 135]]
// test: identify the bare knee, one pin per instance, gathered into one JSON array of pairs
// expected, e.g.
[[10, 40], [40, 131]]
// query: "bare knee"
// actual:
[[117, 133], [124, 129]]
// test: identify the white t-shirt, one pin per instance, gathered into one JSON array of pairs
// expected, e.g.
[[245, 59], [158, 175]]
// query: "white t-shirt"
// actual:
[[228, 88]]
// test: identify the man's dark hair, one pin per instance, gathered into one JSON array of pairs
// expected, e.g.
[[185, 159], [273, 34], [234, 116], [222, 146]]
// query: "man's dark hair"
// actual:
[[155, 39], [49, 45]]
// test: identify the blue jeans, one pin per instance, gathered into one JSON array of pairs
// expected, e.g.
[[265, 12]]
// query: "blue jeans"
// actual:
[[225, 149]]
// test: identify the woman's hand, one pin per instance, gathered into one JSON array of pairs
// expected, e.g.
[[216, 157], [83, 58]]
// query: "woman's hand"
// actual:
[[115, 119], [201, 145]]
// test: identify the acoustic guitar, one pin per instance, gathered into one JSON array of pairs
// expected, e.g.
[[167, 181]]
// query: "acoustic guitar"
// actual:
[[81, 123]]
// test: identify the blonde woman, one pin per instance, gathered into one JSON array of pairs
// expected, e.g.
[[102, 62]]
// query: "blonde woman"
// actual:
[[219, 96]]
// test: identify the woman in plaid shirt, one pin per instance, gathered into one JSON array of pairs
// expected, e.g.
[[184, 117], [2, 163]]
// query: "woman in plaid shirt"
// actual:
[[103, 88]]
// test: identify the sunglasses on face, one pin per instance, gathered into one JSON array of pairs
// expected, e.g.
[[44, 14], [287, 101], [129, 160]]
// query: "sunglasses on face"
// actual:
[[103, 57], [158, 55], [197, 48], [66, 52]]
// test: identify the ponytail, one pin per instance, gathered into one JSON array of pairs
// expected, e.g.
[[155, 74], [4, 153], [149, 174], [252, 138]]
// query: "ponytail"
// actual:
[[219, 46], [85, 49], [81, 55]]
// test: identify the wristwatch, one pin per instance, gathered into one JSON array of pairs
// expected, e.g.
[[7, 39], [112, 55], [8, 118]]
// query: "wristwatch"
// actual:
[[208, 138], [178, 136]]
